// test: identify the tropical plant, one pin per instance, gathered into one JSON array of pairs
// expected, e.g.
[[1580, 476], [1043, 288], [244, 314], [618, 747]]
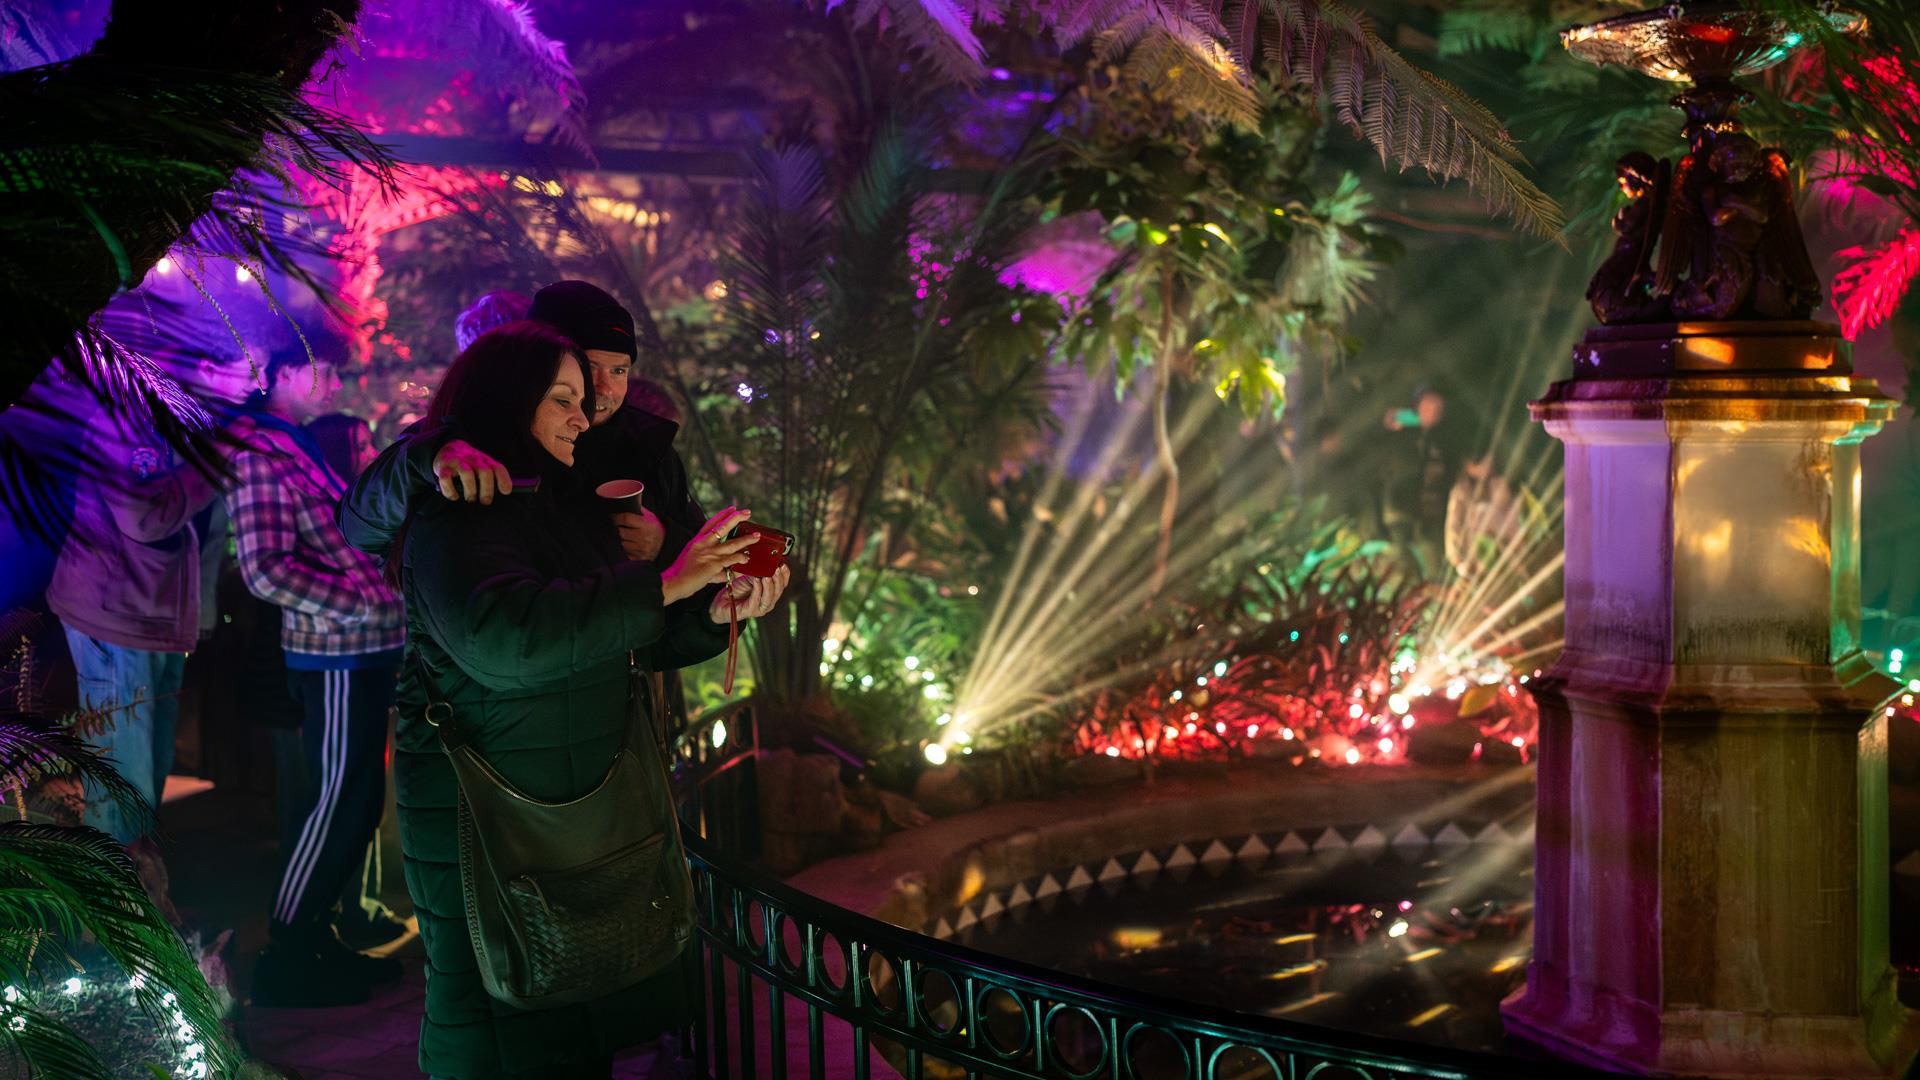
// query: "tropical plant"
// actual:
[[95, 191], [60, 883], [1279, 640], [853, 316], [168, 134], [1211, 55], [1229, 265]]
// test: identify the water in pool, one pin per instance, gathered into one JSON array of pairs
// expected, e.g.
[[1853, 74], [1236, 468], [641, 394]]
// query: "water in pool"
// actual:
[[1419, 947]]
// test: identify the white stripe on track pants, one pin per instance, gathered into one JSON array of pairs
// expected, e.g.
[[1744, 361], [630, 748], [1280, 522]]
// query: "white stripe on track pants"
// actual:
[[344, 732]]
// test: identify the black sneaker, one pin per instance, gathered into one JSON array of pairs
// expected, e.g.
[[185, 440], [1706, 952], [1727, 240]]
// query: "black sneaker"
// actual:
[[294, 975], [365, 930]]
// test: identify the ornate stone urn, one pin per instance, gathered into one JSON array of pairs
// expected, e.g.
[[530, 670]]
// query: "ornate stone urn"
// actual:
[[1711, 879]]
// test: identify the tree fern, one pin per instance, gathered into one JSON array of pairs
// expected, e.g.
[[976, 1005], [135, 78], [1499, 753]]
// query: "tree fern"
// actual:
[[1409, 115], [1488, 24], [1202, 53]]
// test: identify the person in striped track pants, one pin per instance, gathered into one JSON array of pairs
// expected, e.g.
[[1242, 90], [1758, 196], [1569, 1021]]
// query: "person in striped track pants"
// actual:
[[342, 629]]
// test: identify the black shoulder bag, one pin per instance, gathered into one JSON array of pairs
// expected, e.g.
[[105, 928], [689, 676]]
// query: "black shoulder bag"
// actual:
[[567, 902]]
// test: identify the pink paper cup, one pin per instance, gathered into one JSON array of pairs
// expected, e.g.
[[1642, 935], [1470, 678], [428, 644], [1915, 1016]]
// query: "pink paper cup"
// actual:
[[623, 496]]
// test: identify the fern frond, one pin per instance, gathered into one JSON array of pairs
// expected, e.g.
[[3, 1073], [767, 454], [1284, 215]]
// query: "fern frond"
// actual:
[[1875, 282], [31, 749], [144, 157], [1409, 115], [76, 878], [940, 30], [1195, 70], [1483, 27], [49, 1048]]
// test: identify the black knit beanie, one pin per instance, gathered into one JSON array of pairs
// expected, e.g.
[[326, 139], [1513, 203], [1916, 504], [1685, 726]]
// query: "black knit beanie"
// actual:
[[587, 314]]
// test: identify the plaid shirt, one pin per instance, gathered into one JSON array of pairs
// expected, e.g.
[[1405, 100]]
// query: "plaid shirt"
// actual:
[[332, 598]]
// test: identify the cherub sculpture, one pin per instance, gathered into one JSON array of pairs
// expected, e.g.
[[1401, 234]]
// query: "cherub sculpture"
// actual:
[[1730, 226], [1622, 289]]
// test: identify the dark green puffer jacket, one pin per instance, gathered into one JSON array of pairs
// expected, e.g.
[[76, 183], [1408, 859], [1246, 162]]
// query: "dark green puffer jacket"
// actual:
[[524, 612]]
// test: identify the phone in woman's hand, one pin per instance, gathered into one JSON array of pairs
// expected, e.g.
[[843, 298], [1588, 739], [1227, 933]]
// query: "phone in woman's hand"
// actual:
[[769, 551]]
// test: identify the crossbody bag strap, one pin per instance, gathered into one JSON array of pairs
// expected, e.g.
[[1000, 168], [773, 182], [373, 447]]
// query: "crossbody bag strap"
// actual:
[[439, 713], [649, 723]]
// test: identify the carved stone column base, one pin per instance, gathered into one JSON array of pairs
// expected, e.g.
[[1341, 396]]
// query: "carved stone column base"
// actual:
[[1711, 843]]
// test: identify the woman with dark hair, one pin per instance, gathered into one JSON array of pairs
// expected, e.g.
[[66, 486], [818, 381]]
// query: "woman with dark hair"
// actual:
[[523, 616]]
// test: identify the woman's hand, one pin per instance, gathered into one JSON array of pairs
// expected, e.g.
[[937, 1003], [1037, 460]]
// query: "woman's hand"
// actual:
[[749, 597], [707, 556]]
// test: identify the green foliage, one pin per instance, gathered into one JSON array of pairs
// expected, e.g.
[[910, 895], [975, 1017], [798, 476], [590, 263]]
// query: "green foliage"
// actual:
[[1209, 57], [1282, 630], [1230, 262], [864, 317], [61, 884], [78, 880]]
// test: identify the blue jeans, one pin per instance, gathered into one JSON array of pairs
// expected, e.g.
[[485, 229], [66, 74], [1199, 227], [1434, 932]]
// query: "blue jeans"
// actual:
[[140, 692]]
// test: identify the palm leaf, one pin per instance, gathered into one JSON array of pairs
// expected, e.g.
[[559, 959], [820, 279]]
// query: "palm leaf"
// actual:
[[940, 30], [31, 749], [48, 1048], [80, 878], [104, 167]]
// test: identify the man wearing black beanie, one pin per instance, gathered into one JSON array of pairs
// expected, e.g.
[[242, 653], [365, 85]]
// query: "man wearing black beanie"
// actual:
[[623, 443]]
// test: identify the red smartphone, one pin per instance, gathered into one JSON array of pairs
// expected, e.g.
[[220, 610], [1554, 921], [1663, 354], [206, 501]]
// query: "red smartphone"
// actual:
[[768, 553]]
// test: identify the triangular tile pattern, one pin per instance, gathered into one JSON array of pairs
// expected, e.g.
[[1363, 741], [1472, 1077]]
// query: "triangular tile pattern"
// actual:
[[1331, 840], [1254, 851], [1250, 851]]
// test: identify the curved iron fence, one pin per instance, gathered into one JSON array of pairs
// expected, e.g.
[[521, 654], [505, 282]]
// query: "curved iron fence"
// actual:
[[791, 982]]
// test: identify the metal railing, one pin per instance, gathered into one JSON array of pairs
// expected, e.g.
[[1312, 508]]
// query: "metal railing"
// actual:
[[793, 984]]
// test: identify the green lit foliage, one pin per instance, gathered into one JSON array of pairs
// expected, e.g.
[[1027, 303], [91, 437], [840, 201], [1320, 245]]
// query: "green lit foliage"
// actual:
[[1230, 262], [61, 884], [864, 315]]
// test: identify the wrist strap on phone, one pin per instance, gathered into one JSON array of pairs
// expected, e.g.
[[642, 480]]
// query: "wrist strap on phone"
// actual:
[[733, 635]]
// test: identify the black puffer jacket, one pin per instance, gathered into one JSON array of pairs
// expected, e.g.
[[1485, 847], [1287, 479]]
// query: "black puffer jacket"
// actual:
[[525, 613]]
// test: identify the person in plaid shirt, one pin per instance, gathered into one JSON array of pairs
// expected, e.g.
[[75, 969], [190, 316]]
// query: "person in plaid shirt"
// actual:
[[342, 629]]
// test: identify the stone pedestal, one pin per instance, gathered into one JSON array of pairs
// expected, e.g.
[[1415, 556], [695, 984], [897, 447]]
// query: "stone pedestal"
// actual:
[[1711, 876]]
